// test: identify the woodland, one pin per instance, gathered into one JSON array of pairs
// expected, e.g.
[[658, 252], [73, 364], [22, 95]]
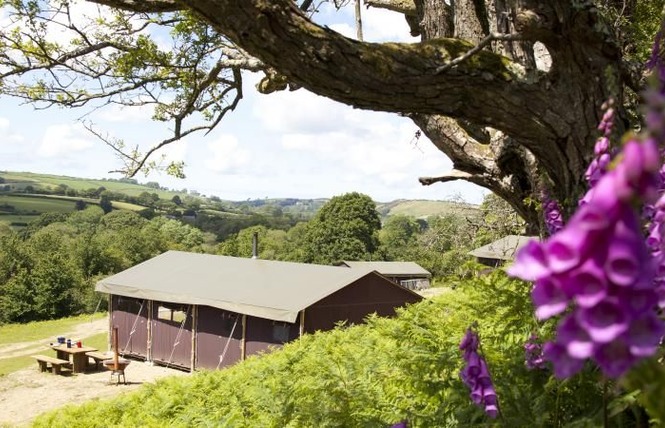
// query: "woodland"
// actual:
[[49, 268]]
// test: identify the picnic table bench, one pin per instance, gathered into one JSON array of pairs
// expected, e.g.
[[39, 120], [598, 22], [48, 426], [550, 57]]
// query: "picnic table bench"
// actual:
[[99, 357], [57, 364]]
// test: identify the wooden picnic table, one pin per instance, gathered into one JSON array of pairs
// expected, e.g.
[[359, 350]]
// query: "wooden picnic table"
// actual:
[[78, 357]]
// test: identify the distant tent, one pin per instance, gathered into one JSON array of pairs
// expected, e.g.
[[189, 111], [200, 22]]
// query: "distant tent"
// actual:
[[501, 250], [407, 274]]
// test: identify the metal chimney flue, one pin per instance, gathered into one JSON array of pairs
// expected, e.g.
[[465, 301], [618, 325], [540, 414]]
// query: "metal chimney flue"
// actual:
[[255, 245]]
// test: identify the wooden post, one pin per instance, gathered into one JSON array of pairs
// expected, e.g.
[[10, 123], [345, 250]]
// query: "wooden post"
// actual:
[[302, 322], [148, 353], [115, 349], [243, 343], [195, 320]]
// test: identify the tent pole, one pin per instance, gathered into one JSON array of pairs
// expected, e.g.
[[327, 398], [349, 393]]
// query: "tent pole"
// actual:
[[243, 343], [302, 322], [195, 320], [148, 352], [108, 337]]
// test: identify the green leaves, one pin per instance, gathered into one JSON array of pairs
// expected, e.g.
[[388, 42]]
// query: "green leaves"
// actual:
[[345, 228]]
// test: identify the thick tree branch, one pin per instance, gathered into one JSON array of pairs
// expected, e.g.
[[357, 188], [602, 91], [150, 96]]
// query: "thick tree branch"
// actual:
[[407, 7], [156, 6], [453, 175], [395, 77]]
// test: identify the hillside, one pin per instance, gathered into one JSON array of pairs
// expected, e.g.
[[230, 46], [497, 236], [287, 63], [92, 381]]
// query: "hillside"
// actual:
[[425, 208], [17, 208], [18, 181]]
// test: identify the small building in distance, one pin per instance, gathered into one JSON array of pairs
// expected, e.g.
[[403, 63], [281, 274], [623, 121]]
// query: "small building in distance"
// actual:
[[501, 250], [192, 310], [409, 275]]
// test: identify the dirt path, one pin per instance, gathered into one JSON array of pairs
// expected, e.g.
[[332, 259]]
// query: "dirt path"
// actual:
[[27, 393]]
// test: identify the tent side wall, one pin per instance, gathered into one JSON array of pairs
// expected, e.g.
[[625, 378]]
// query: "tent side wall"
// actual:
[[216, 346], [130, 315], [171, 328], [369, 294], [261, 334]]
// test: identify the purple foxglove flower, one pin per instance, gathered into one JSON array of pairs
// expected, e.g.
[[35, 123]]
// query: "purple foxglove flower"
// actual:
[[492, 411], [605, 321], [661, 297], [533, 353], [469, 341], [564, 365], [475, 373], [653, 241], [602, 146], [623, 263], [548, 298], [587, 283], [644, 335], [530, 262], [552, 214], [473, 365], [574, 338], [489, 395], [614, 358], [477, 394], [400, 425]]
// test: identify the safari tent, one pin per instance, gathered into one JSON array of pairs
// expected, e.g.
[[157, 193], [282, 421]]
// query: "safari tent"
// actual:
[[205, 311], [407, 274]]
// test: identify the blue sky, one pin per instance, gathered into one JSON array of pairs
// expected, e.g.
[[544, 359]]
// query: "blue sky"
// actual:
[[288, 144]]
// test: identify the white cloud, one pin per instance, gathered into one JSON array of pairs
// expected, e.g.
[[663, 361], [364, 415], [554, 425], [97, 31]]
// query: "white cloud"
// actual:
[[116, 113], [175, 152], [383, 25], [227, 155], [378, 25], [63, 140], [299, 111], [344, 29]]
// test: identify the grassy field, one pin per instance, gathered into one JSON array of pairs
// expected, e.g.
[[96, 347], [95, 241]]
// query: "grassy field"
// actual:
[[117, 205], [16, 218], [11, 333], [35, 204], [424, 209], [22, 179]]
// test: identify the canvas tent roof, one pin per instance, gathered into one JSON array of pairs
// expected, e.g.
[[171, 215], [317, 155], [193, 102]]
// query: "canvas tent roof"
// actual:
[[502, 249], [391, 268], [262, 288]]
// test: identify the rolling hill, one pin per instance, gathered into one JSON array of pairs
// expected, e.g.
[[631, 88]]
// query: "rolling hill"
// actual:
[[19, 206]]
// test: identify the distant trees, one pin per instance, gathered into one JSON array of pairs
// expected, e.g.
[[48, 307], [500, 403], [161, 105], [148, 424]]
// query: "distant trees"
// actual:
[[106, 204], [48, 270], [345, 228]]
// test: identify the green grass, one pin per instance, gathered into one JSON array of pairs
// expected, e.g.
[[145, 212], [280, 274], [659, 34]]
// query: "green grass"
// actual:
[[126, 206], [36, 204], [10, 365], [14, 218], [424, 209], [49, 180], [12, 333]]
